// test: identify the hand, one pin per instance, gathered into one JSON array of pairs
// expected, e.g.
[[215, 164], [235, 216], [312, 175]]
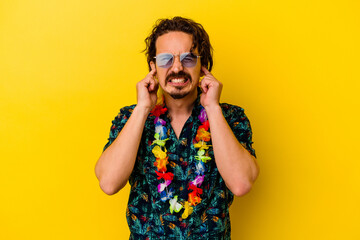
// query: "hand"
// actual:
[[147, 91], [211, 89]]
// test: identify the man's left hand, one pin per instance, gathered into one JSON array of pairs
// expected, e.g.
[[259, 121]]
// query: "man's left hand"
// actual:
[[211, 88]]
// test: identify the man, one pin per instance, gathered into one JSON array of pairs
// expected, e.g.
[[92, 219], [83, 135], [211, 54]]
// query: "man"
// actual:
[[184, 154]]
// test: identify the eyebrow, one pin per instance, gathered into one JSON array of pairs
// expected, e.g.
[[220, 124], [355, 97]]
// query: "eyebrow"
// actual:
[[177, 54]]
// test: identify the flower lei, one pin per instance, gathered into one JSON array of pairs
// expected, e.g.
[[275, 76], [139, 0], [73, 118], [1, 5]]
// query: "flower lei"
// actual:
[[159, 151]]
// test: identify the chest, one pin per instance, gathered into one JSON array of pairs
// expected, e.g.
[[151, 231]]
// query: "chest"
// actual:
[[178, 125]]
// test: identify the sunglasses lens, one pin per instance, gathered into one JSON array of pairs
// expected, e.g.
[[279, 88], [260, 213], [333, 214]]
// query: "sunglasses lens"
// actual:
[[188, 59], [164, 60]]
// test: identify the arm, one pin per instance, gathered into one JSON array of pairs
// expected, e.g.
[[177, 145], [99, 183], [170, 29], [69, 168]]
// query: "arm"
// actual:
[[236, 165], [116, 163]]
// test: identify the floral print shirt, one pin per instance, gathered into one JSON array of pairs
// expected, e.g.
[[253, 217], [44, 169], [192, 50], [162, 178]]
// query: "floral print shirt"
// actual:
[[148, 217]]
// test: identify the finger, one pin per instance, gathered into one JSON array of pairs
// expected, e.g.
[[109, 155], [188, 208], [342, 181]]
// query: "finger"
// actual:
[[151, 85], [205, 85], [152, 72], [204, 69], [146, 82], [153, 68], [156, 87]]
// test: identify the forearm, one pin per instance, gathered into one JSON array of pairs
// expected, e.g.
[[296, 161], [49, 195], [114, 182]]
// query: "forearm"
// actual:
[[236, 165], [116, 163]]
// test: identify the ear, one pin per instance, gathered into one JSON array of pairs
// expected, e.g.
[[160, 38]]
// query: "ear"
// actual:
[[152, 65]]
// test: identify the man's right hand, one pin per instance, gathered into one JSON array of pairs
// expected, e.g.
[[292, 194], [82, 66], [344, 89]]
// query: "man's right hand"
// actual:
[[147, 91]]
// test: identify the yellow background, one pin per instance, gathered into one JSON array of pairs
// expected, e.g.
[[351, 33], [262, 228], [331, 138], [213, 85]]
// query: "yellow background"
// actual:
[[67, 67]]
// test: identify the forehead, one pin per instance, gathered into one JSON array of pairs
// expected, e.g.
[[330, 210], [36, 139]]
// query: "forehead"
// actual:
[[174, 42]]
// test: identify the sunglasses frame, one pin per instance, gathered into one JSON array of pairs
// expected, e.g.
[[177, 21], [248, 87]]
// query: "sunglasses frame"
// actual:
[[182, 57]]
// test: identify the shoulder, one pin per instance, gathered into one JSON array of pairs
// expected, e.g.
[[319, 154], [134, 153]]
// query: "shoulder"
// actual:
[[123, 114], [231, 111], [126, 110], [228, 106], [118, 123]]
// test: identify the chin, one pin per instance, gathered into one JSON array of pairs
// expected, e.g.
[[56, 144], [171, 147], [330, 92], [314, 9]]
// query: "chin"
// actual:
[[179, 92], [178, 95]]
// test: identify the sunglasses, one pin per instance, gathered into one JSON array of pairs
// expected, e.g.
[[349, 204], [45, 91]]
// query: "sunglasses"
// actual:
[[166, 60]]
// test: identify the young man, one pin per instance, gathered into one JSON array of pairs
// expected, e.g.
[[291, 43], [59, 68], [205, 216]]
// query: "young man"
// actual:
[[184, 154]]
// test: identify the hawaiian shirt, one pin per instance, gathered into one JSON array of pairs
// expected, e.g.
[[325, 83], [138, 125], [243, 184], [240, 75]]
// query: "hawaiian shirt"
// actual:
[[148, 217]]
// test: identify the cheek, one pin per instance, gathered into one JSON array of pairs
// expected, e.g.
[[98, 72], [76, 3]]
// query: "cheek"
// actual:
[[197, 74], [161, 76], [159, 73]]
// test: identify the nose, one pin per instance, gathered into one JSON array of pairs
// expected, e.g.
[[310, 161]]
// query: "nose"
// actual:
[[177, 65]]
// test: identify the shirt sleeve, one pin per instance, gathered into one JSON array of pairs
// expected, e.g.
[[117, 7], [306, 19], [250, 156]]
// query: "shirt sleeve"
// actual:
[[118, 123], [240, 125]]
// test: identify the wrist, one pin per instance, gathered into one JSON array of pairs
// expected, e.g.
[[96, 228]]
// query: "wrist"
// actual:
[[143, 110], [213, 109]]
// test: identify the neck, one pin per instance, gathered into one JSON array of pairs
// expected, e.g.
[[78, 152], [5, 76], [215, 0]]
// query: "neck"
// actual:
[[181, 106]]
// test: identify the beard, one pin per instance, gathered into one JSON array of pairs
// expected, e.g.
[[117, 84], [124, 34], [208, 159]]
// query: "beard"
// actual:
[[178, 94]]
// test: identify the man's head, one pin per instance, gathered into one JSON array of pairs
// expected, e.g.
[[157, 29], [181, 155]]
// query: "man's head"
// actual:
[[178, 39], [200, 38]]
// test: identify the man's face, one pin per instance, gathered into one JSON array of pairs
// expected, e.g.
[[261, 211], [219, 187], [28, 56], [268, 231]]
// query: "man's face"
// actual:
[[177, 81]]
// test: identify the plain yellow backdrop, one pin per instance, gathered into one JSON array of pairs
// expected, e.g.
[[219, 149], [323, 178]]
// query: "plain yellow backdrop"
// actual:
[[67, 67]]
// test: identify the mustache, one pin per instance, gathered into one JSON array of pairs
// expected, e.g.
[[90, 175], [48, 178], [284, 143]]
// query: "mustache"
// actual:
[[180, 74]]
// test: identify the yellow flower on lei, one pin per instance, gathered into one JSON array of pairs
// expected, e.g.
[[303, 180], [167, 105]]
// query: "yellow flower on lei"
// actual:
[[188, 210], [201, 145], [158, 152]]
